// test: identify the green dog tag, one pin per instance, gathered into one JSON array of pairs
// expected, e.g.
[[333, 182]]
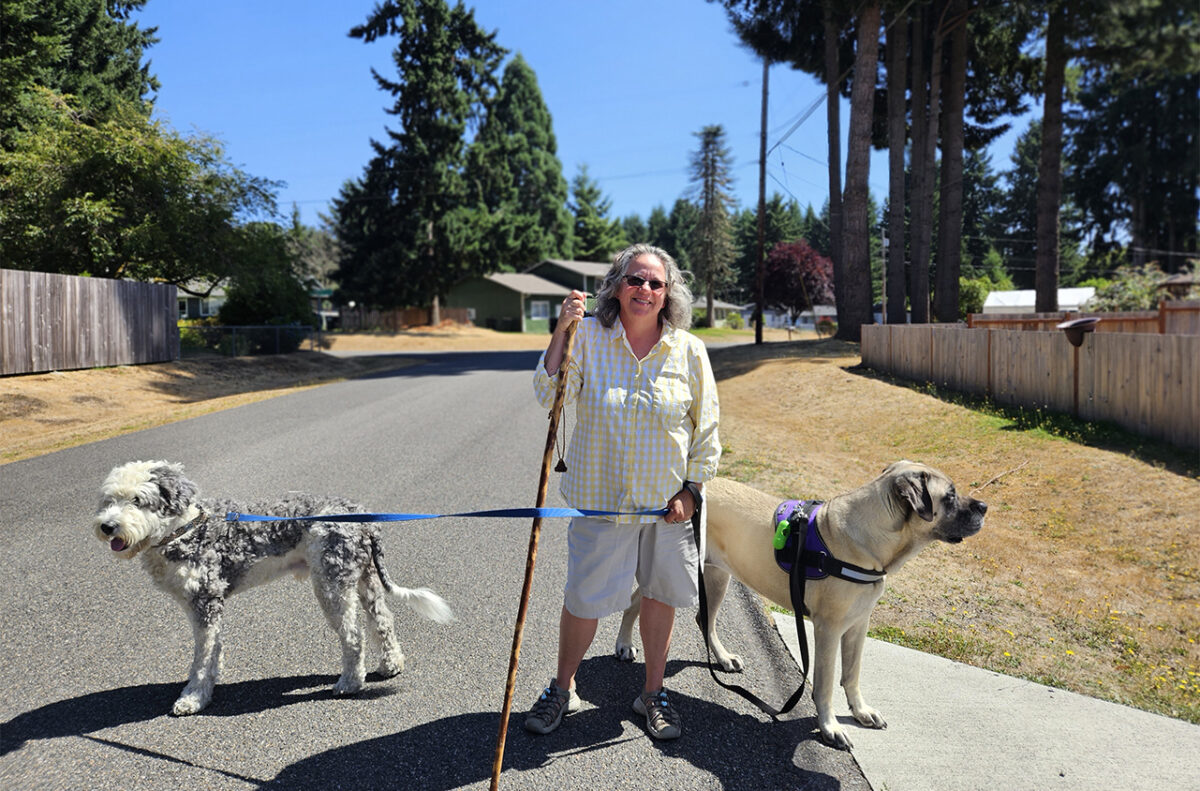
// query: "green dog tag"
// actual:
[[782, 531]]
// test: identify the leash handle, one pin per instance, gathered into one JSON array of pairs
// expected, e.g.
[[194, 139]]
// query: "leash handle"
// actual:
[[534, 534]]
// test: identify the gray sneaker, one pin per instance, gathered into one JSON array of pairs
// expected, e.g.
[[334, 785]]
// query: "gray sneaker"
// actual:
[[662, 719], [551, 705]]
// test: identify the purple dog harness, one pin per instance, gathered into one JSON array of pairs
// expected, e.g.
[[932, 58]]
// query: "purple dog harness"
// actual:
[[818, 561]]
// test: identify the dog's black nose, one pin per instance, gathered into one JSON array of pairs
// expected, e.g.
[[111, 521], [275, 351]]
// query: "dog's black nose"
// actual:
[[981, 507], [108, 528]]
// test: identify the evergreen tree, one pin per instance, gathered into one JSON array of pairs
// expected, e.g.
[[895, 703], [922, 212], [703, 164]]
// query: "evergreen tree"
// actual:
[[1135, 165], [597, 238], [517, 179], [82, 48], [634, 229], [425, 232], [1019, 215], [658, 229], [680, 234], [712, 247], [783, 222], [982, 210]]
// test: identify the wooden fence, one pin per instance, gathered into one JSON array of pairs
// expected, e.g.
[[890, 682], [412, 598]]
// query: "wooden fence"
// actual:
[[1146, 383], [1173, 317], [61, 322], [359, 319]]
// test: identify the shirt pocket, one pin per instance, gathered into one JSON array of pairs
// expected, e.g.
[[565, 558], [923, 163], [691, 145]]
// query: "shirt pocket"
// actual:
[[673, 399]]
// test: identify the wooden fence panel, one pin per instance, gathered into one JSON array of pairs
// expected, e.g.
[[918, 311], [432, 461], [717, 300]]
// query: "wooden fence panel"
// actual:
[[960, 359], [1146, 383], [61, 322], [1034, 369], [911, 354], [1149, 384]]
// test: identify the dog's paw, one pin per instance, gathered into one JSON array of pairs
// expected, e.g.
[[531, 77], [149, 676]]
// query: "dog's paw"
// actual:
[[731, 663], [625, 652], [835, 735], [347, 685], [391, 665], [188, 703], [869, 717]]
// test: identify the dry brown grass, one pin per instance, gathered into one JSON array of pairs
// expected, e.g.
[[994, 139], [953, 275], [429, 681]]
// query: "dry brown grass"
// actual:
[[1086, 575]]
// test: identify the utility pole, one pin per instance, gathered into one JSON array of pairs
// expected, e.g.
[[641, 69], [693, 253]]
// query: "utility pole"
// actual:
[[759, 273]]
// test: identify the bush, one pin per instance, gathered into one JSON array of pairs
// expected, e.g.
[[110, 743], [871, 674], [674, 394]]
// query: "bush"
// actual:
[[734, 321], [972, 292]]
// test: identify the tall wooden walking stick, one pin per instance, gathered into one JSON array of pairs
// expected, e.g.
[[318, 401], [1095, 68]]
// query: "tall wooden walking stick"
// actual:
[[535, 533]]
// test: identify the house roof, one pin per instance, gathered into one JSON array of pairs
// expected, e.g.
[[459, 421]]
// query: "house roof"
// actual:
[[1027, 298], [527, 284], [702, 302], [588, 268]]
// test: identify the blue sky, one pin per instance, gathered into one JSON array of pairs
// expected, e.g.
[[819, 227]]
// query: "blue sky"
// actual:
[[628, 84]]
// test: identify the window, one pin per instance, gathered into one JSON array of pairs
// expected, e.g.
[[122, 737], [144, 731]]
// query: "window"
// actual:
[[539, 309]]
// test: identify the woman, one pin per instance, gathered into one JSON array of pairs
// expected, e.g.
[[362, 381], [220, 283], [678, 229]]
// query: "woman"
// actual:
[[645, 439]]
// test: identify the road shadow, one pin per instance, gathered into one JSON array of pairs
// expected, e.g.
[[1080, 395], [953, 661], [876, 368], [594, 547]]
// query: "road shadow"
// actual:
[[742, 752], [453, 363], [112, 708]]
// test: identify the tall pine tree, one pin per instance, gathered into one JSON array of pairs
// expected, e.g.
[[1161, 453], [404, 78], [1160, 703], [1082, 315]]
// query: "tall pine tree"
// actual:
[[712, 248], [424, 230], [597, 237], [515, 175]]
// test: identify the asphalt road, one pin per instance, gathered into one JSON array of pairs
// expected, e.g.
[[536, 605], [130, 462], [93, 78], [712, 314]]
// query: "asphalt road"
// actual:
[[93, 655]]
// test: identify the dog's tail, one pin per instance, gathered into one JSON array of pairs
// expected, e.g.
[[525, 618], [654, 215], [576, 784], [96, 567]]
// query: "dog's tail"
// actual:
[[423, 601]]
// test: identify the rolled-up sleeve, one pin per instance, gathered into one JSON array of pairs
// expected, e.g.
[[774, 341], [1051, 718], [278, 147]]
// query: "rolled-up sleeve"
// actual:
[[545, 385]]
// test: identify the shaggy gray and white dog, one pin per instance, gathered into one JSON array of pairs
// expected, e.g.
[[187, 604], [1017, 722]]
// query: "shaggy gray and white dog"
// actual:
[[191, 552]]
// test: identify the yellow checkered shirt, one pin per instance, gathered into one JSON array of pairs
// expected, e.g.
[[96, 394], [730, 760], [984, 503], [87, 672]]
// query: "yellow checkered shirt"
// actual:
[[643, 426]]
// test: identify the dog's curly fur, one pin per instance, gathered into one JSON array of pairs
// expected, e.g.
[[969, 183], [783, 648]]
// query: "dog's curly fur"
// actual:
[[149, 508]]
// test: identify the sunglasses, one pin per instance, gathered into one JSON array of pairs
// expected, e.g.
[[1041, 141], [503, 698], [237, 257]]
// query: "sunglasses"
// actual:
[[637, 282]]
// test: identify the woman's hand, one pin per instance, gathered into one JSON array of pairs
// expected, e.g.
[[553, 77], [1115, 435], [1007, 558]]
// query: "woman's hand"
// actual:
[[571, 311], [680, 507]]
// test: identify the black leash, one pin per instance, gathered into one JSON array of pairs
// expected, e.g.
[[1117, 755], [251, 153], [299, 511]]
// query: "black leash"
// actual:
[[796, 588]]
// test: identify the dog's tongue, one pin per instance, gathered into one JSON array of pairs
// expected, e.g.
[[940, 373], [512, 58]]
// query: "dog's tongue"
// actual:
[[116, 545]]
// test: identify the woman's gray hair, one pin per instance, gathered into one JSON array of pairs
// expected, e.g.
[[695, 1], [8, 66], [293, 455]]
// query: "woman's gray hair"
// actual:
[[677, 307]]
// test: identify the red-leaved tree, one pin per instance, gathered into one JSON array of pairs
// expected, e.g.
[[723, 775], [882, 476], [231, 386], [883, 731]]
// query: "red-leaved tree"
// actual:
[[797, 277]]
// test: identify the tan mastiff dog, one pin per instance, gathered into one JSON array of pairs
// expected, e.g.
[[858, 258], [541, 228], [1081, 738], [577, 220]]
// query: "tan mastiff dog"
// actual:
[[878, 526]]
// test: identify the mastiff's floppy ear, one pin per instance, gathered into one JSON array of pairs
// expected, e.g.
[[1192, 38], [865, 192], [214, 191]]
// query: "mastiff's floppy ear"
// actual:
[[912, 487]]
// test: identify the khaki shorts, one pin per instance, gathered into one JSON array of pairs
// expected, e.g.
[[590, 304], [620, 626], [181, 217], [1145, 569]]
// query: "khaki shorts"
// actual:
[[605, 558]]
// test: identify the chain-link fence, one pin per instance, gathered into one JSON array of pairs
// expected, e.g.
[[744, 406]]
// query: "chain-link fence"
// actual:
[[241, 340]]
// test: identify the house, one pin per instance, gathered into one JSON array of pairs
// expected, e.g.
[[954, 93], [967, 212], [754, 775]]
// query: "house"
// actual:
[[585, 276], [773, 317], [1024, 300], [193, 307], [323, 308], [509, 301], [721, 309]]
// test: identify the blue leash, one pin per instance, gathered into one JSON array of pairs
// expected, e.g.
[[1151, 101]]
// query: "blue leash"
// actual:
[[546, 513]]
